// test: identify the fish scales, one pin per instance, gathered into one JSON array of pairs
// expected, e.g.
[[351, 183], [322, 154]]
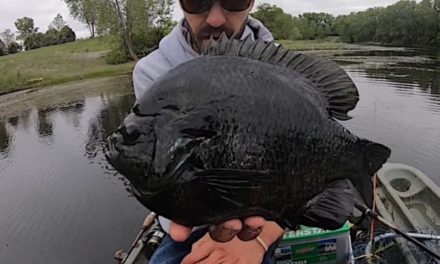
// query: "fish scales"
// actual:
[[235, 136]]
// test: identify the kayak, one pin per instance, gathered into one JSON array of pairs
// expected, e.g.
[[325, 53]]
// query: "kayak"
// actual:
[[405, 196], [408, 198]]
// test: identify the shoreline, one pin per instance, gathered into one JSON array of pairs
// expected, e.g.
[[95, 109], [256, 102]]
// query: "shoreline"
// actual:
[[16, 102]]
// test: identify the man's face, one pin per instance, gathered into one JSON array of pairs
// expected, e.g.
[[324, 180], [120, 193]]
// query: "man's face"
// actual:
[[214, 21]]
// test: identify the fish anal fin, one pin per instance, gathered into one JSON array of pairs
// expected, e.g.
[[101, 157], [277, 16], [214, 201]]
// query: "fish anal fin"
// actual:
[[331, 208]]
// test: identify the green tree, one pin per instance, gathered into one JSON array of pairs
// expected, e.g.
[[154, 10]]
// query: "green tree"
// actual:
[[51, 37], [10, 45], [85, 11], [403, 23], [58, 23], [136, 25], [2, 48], [8, 37], [66, 34], [13, 47], [428, 14], [436, 5], [34, 41], [25, 27], [316, 25], [281, 25]]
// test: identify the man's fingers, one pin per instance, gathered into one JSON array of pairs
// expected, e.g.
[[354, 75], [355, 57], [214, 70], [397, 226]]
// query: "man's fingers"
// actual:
[[217, 256], [203, 251], [226, 231], [179, 233], [252, 227], [222, 258]]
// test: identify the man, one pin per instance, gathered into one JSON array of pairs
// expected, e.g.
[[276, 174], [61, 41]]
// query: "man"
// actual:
[[250, 240]]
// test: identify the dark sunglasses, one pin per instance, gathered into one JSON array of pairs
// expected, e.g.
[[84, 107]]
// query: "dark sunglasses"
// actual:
[[201, 6]]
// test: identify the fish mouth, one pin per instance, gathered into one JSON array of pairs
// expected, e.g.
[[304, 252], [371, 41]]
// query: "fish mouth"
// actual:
[[111, 152]]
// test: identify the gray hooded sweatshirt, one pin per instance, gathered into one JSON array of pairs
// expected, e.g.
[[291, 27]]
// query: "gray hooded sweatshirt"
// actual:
[[175, 49]]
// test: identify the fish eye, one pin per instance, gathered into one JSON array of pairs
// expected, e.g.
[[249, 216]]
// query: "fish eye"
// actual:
[[130, 134]]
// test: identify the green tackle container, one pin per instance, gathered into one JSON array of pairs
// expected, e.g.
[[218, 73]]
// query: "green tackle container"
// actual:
[[310, 245]]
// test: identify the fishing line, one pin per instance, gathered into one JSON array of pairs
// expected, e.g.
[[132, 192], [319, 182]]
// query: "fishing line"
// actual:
[[383, 221], [374, 185], [372, 226]]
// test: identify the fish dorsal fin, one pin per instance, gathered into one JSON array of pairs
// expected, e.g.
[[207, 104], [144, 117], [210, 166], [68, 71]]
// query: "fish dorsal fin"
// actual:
[[334, 83]]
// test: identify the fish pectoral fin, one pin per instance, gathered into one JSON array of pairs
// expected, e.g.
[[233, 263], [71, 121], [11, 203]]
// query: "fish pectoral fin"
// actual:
[[233, 179], [331, 208]]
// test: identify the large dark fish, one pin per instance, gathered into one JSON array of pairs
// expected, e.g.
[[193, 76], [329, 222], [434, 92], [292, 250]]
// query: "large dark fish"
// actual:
[[248, 129]]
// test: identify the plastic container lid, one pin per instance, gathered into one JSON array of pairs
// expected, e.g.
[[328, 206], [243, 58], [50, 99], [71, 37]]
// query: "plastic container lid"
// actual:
[[310, 233]]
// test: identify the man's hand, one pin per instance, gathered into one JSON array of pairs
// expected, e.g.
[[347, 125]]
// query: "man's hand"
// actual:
[[247, 230], [236, 250], [208, 251]]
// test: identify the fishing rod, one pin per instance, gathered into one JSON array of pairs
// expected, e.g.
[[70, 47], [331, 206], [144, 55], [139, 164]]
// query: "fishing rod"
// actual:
[[367, 211], [148, 222]]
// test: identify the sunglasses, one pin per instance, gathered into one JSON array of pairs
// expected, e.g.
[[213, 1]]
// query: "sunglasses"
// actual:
[[201, 6]]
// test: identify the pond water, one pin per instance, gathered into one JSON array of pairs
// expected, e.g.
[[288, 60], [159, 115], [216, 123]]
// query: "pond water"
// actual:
[[61, 203]]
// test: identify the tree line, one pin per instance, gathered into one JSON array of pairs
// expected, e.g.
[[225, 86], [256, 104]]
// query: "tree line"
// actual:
[[58, 32], [403, 23], [135, 26]]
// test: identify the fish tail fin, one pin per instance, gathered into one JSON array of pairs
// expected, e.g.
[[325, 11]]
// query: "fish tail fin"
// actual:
[[373, 156], [329, 78]]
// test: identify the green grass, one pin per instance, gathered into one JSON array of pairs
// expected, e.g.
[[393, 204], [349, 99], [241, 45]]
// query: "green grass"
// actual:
[[321, 44], [82, 59]]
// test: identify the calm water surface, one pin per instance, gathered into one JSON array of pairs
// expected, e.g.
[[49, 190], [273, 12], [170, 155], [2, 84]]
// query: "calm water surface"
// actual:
[[61, 203]]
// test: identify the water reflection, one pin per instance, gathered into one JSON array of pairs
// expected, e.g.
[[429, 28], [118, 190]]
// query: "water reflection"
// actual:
[[21, 119], [72, 112], [397, 65], [5, 139], [56, 182], [110, 116], [45, 126], [427, 80]]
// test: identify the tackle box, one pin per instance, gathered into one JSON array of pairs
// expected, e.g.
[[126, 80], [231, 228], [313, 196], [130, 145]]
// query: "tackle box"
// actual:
[[311, 245]]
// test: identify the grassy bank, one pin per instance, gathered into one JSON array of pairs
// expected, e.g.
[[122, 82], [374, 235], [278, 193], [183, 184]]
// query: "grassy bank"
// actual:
[[321, 44], [82, 59]]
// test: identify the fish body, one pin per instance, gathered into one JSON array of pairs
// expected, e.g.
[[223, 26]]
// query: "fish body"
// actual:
[[248, 129]]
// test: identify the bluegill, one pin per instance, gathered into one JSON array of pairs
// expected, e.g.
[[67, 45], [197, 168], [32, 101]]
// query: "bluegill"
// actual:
[[250, 128]]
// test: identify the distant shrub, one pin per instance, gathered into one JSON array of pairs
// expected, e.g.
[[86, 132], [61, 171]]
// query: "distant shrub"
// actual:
[[51, 37], [116, 56], [142, 43], [13, 47], [2, 48], [34, 41], [146, 42], [67, 35]]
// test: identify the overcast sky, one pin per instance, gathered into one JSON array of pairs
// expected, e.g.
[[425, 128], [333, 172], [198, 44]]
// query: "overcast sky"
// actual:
[[44, 11]]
